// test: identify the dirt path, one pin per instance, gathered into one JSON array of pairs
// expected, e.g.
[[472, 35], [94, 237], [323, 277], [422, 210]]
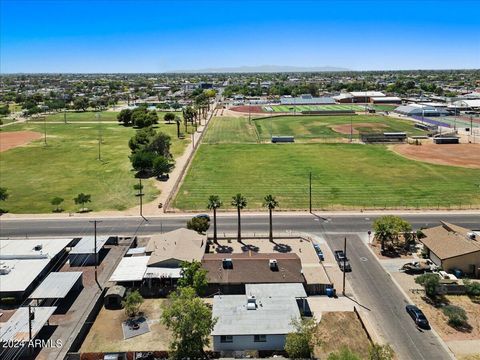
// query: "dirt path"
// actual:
[[464, 155], [345, 128]]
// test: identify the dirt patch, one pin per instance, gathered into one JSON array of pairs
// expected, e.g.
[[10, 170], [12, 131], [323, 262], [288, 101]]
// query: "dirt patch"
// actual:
[[106, 334], [439, 321], [246, 109], [345, 128], [13, 139], [338, 329], [464, 155]]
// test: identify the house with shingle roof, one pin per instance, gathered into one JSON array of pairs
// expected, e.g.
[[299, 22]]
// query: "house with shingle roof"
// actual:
[[453, 247]]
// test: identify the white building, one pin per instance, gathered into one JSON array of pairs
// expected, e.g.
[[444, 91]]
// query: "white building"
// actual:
[[259, 320]]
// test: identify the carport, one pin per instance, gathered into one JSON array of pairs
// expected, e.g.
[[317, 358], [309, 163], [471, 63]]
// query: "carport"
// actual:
[[57, 285]]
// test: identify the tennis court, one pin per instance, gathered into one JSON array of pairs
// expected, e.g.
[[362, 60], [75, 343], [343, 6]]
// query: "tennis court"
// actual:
[[300, 108]]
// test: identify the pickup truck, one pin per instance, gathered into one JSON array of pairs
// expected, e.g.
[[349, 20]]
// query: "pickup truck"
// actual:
[[342, 260]]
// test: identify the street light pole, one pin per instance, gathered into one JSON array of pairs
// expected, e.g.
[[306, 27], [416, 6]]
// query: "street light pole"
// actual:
[[344, 263], [95, 222], [45, 130], [99, 137], [310, 191]]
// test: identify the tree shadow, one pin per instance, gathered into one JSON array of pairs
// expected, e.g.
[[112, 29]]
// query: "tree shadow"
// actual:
[[250, 247], [464, 328], [282, 248], [223, 249]]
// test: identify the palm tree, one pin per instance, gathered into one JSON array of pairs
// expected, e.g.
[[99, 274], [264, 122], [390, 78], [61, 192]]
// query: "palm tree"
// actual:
[[240, 202], [214, 203], [270, 203]]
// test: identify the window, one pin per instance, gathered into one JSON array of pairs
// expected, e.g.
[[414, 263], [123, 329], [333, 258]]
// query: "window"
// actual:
[[226, 339], [260, 338]]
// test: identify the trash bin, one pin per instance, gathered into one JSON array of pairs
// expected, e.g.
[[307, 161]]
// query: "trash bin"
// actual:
[[330, 292]]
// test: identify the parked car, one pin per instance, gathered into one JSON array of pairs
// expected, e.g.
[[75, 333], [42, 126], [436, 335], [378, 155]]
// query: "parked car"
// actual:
[[418, 316], [203, 216], [319, 252], [342, 260]]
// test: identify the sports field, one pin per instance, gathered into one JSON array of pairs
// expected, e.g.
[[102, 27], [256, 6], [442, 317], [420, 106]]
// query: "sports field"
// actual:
[[300, 108], [344, 175], [90, 116], [313, 128], [69, 164]]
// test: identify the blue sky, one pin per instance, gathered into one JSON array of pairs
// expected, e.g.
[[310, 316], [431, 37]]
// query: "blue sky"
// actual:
[[157, 36]]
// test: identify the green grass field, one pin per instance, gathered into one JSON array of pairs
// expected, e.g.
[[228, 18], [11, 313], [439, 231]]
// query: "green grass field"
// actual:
[[90, 116], [34, 174], [300, 108], [230, 130], [349, 175], [314, 127], [385, 107]]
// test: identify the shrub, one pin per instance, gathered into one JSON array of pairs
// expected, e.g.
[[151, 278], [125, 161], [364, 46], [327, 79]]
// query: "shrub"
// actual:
[[456, 315], [472, 287], [430, 282]]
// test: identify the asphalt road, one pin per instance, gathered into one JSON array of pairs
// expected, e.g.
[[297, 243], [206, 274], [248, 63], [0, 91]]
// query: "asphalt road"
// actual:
[[226, 223], [376, 292]]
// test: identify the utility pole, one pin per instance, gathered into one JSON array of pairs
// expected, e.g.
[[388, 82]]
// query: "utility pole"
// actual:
[[31, 316], [99, 137], [45, 130], [140, 194], [64, 107], [95, 222], [193, 140], [310, 191], [351, 121], [344, 263]]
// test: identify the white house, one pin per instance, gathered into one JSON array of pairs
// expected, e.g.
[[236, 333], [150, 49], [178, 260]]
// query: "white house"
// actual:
[[256, 322]]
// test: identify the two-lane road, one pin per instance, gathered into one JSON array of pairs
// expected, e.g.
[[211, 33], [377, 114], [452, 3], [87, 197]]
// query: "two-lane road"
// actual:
[[76, 226]]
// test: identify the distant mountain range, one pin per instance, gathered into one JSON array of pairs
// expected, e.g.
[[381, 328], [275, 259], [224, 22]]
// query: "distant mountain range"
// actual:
[[263, 69]]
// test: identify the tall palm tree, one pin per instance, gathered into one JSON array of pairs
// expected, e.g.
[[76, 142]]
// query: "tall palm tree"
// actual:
[[270, 203], [214, 203], [240, 202]]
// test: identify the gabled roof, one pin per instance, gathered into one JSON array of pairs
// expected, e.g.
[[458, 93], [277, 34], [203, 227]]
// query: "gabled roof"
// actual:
[[253, 268], [181, 244], [449, 240]]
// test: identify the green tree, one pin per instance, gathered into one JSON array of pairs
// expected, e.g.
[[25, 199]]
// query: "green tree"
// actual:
[[125, 117], [300, 344], [270, 203], [343, 354], [159, 144], [429, 282], [56, 201], [3, 194], [132, 303], [141, 139], [142, 161], [161, 166], [169, 117], [240, 202], [80, 103], [177, 121], [200, 225], [82, 199], [193, 276], [214, 203], [388, 229], [190, 321], [457, 317], [381, 352]]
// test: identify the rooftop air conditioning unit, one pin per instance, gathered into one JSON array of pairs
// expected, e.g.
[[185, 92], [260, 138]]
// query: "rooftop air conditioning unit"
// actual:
[[273, 264], [227, 264], [251, 303], [38, 247], [4, 269], [471, 236]]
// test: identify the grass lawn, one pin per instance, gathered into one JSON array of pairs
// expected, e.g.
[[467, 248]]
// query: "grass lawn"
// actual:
[[34, 174], [91, 116], [310, 128], [230, 130], [350, 175], [385, 107]]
